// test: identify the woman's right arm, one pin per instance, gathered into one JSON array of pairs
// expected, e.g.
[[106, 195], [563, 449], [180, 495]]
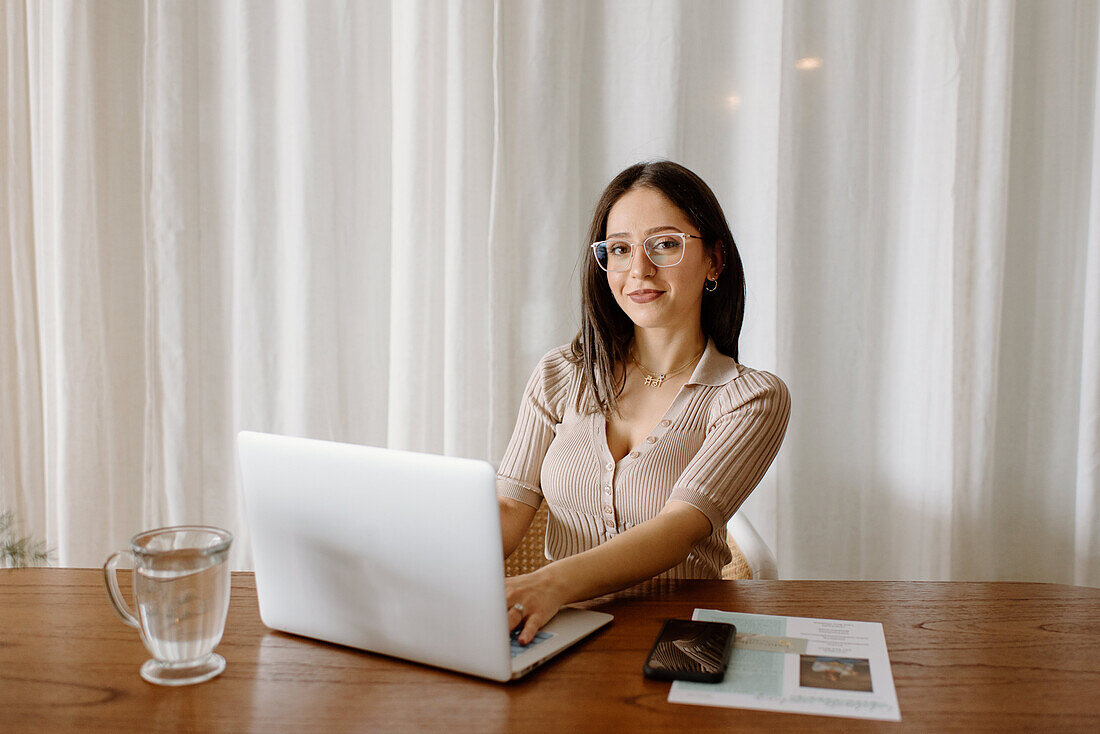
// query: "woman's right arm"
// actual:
[[515, 518]]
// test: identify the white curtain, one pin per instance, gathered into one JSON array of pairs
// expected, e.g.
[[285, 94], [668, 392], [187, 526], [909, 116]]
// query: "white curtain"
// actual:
[[363, 221]]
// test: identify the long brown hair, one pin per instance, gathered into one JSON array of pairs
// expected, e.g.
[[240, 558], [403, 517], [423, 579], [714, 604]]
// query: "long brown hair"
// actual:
[[604, 337]]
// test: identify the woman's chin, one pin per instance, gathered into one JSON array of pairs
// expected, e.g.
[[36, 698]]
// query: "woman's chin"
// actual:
[[659, 314], [650, 321]]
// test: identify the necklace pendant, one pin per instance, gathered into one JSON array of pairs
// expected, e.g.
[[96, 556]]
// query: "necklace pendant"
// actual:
[[652, 380]]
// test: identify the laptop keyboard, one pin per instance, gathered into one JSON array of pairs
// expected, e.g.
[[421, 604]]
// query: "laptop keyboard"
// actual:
[[518, 648]]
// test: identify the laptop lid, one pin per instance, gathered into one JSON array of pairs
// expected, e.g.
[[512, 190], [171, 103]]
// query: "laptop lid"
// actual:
[[389, 551]]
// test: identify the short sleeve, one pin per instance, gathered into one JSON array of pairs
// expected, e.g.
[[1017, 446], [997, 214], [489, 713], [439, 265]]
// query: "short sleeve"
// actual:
[[540, 411], [739, 446]]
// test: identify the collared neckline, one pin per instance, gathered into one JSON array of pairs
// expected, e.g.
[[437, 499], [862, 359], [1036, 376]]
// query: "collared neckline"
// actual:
[[714, 368]]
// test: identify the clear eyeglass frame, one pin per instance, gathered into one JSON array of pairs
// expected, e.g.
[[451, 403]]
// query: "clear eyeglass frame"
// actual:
[[648, 245]]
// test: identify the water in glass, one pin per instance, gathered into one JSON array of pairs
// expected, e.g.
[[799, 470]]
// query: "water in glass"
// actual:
[[182, 606]]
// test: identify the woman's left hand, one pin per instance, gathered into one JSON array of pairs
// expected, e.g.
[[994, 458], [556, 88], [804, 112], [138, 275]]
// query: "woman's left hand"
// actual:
[[533, 600]]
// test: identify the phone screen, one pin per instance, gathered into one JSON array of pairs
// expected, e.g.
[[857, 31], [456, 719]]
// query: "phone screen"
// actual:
[[690, 650]]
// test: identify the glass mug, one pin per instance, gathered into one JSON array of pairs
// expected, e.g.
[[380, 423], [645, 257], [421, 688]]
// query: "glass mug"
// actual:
[[181, 588]]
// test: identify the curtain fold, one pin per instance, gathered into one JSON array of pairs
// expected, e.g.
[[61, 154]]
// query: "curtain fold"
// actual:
[[21, 428], [1086, 508], [983, 42], [364, 221]]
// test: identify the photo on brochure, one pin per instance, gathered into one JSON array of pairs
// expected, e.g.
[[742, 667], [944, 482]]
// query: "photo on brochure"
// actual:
[[839, 674]]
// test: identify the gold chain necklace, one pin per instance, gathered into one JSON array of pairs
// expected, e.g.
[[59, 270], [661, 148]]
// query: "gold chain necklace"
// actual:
[[654, 379]]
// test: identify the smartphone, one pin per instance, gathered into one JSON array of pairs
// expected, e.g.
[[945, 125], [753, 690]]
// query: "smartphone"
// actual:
[[691, 650]]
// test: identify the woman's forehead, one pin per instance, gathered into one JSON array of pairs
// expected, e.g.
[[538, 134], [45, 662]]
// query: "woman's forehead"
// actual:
[[644, 211]]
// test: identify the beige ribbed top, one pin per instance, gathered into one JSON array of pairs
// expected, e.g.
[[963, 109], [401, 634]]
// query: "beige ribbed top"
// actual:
[[710, 450]]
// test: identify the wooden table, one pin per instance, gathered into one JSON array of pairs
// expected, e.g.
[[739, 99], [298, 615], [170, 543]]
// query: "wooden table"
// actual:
[[965, 656]]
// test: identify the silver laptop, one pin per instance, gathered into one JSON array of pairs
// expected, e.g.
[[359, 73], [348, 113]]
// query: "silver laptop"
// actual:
[[393, 552]]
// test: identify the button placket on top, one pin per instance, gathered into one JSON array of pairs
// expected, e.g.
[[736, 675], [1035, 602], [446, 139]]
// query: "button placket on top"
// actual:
[[607, 503], [608, 474], [607, 499]]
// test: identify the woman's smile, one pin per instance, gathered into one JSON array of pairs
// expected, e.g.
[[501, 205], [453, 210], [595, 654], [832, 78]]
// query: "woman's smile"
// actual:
[[644, 295]]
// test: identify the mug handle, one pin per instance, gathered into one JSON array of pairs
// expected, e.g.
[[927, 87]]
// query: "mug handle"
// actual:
[[110, 578]]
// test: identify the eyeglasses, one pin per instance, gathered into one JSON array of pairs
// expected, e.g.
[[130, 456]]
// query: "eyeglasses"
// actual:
[[663, 250]]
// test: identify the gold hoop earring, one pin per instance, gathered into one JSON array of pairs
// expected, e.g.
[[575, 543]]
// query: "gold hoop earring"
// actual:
[[713, 282]]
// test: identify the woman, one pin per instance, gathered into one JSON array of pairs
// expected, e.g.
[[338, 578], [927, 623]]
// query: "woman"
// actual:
[[644, 435]]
